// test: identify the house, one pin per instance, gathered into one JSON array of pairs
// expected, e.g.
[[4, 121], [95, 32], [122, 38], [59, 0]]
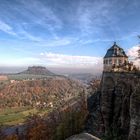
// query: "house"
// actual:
[[3, 78], [117, 60]]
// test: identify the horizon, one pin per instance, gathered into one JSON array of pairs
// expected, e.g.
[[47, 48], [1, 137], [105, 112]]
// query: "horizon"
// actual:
[[66, 34], [56, 70]]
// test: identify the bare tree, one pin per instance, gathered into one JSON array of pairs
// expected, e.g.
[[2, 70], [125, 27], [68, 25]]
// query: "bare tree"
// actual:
[[139, 48]]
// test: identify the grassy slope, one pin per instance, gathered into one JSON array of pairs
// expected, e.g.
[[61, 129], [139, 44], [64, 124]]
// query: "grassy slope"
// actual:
[[15, 116]]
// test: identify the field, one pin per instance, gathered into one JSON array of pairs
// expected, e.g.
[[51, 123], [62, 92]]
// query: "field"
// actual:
[[15, 116]]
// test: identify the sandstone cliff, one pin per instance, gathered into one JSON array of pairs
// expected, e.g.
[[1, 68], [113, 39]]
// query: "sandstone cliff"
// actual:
[[114, 111]]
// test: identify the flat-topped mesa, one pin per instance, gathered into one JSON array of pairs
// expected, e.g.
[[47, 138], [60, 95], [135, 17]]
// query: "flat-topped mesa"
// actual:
[[37, 70], [117, 60]]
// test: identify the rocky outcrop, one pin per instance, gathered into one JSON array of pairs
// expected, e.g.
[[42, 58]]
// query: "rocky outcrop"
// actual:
[[114, 109], [83, 136], [94, 120], [134, 133], [37, 70]]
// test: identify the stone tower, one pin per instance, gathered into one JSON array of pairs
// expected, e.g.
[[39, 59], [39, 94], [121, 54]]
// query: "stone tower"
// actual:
[[115, 56]]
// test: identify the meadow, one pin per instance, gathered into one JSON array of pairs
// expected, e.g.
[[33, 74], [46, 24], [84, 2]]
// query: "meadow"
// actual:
[[14, 116]]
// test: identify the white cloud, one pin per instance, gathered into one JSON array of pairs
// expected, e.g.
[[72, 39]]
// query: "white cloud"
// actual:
[[26, 61], [56, 60], [93, 15], [6, 28], [133, 54], [26, 35], [23, 17], [57, 42], [42, 14], [70, 60]]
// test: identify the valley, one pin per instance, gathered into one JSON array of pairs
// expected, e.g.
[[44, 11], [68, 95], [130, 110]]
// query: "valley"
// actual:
[[38, 93]]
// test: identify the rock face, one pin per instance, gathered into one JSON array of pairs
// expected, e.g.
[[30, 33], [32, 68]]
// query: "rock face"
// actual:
[[134, 133], [114, 109]]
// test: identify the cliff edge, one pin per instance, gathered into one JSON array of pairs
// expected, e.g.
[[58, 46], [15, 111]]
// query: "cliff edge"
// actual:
[[114, 111]]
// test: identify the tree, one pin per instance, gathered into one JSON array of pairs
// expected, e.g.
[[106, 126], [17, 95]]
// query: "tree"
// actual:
[[139, 48]]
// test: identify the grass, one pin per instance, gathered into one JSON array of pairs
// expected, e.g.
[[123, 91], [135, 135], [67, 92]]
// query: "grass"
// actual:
[[16, 116], [10, 117]]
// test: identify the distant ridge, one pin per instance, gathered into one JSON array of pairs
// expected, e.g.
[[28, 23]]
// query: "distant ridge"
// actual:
[[37, 70]]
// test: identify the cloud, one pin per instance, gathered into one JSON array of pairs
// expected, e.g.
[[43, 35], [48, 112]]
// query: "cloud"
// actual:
[[56, 60], [40, 14], [94, 15], [70, 60], [26, 61], [95, 19], [22, 34], [133, 54], [102, 20], [29, 21], [57, 42], [6, 28], [39, 26]]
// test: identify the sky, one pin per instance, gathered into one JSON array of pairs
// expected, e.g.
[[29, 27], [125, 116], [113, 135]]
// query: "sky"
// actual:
[[66, 33]]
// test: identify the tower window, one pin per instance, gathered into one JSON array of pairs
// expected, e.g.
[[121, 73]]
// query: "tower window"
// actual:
[[110, 61], [115, 61], [120, 61], [106, 61]]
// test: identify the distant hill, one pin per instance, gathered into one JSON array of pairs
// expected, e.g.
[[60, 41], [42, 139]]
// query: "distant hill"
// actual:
[[84, 77], [37, 70], [32, 73], [56, 90]]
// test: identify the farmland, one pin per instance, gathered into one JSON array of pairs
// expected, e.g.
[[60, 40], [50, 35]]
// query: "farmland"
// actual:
[[14, 116]]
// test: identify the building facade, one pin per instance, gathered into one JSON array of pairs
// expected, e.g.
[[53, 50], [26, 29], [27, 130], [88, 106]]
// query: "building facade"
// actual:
[[114, 57]]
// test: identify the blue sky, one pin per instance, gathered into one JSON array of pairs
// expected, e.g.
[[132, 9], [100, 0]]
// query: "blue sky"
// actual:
[[65, 32]]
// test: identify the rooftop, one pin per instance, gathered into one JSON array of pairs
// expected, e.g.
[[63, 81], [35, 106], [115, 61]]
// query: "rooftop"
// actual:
[[115, 51]]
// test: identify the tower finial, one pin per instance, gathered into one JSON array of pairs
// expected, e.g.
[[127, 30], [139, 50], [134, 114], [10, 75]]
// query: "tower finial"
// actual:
[[114, 42]]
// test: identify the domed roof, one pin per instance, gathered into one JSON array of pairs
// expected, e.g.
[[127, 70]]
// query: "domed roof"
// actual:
[[115, 51]]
